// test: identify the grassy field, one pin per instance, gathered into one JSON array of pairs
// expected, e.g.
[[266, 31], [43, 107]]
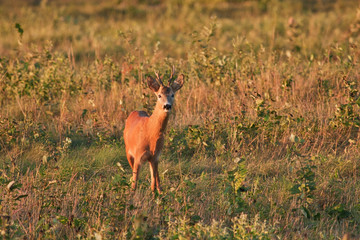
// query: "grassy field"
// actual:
[[263, 142]]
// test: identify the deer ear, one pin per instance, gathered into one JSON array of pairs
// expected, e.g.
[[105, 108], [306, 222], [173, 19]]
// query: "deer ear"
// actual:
[[153, 84], [178, 83]]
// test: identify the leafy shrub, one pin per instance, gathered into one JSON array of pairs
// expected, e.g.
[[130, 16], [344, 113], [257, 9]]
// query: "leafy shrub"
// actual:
[[38, 76]]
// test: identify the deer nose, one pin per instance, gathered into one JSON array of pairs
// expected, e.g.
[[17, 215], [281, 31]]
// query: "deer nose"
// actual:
[[167, 106]]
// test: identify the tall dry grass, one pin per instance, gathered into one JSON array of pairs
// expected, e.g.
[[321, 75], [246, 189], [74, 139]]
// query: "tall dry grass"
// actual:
[[263, 141]]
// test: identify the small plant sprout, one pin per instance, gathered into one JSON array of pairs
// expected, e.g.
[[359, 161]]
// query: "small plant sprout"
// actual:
[[120, 166]]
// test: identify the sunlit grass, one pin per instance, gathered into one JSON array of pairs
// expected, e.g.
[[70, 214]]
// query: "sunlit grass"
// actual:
[[263, 141]]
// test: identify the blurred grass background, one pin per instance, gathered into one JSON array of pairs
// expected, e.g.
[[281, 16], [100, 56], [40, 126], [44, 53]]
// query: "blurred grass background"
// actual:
[[94, 28]]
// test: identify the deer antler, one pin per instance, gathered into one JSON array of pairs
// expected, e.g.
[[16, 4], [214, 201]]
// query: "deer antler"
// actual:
[[158, 78], [172, 74]]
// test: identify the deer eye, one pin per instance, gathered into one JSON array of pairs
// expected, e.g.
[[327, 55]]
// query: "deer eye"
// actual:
[[159, 96]]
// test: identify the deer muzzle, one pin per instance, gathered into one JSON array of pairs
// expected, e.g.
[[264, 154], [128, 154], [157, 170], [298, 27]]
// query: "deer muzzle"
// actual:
[[167, 107]]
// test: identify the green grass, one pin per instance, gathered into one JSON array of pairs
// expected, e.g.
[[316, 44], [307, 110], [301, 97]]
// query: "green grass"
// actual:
[[263, 142]]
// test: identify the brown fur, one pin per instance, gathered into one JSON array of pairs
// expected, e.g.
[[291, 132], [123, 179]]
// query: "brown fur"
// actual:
[[144, 134]]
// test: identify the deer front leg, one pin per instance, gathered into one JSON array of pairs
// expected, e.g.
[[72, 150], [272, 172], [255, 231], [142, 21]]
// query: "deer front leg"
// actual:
[[136, 170], [145, 156], [130, 159], [153, 183], [158, 181], [155, 180]]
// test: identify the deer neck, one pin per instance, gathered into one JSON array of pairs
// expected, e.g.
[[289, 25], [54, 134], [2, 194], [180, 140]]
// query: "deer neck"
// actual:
[[158, 121]]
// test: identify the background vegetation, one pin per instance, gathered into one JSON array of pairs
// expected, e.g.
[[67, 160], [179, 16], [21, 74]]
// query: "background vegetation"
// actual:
[[263, 142]]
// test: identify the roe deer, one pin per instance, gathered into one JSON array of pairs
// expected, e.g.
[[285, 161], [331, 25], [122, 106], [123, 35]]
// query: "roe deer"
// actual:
[[144, 134]]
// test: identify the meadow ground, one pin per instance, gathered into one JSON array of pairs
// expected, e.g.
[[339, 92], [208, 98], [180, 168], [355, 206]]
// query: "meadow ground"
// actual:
[[263, 142]]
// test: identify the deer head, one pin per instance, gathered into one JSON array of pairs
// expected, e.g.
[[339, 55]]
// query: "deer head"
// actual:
[[165, 94]]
